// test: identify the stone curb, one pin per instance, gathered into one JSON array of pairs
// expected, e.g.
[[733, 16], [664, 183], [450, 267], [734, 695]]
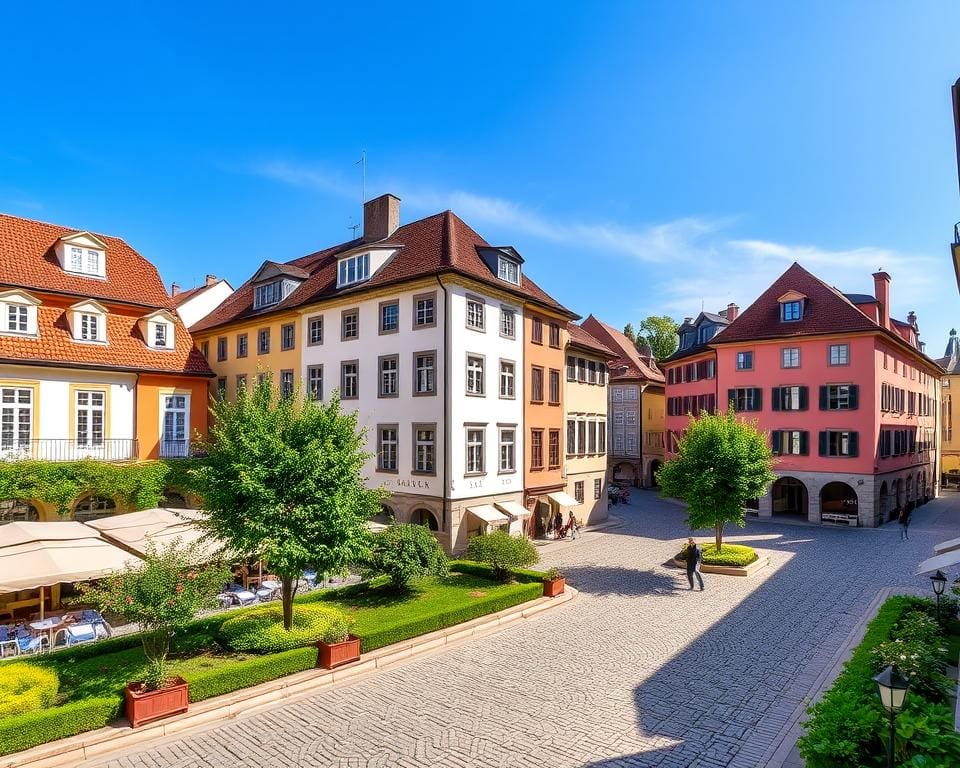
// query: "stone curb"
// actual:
[[103, 742]]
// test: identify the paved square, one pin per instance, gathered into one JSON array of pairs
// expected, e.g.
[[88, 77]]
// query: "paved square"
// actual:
[[637, 671]]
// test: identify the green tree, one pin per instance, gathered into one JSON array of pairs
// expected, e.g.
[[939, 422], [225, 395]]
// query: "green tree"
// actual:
[[161, 594], [283, 480], [722, 462], [630, 333], [502, 551], [406, 552], [660, 334]]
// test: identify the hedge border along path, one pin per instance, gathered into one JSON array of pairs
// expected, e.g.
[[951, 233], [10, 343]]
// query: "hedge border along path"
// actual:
[[35, 728]]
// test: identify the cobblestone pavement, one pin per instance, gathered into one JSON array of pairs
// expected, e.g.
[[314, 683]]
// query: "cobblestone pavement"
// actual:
[[637, 671]]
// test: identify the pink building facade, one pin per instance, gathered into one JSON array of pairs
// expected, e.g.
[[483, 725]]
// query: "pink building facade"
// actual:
[[846, 395]]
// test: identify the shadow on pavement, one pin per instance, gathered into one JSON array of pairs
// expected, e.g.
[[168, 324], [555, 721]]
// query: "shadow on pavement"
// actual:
[[616, 580]]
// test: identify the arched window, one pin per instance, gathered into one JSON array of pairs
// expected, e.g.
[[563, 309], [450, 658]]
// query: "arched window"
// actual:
[[91, 507], [425, 517], [18, 511], [173, 499]]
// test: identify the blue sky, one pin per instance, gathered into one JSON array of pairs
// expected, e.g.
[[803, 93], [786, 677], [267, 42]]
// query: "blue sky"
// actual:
[[643, 157]]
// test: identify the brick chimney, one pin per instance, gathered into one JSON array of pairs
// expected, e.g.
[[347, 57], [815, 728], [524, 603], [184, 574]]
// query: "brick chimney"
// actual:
[[381, 218], [732, 311], [881, 290], [174, 289], [211, 279]]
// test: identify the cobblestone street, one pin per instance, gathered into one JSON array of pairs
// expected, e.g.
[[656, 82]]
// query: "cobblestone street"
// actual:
[[637, 671]]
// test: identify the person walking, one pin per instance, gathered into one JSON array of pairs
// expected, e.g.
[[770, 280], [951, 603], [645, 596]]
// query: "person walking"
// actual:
[[904, 519], [694, 558], [572, 525]]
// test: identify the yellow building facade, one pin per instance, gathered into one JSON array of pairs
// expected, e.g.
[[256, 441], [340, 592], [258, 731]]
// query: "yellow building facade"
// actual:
[[950, 386]]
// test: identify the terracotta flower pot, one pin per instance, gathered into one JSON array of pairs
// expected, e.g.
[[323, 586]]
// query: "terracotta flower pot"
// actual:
[[146, 706], [554, 587], [336, 654]]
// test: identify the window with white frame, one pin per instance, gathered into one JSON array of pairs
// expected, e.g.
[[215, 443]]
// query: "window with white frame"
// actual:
[[17, 318], [571, 437], [315, 330], [475, 314], [387, 448], [424, 448], [508, 270], [790, 357], [84, 261], [578, 491], [389, 317], [350, 325], [506, 379], [286, 383], [175, 417], [389, 375], [840, 354], [474, 450], [508, 323], [16, 418], [744, 361], [315, 382], [268, 294], [90, 327], [424, 309], [475, 375], [160, 335], [349, 380], [90, 418], [353, 269], [76, 259], [425, 373], [507, 449]]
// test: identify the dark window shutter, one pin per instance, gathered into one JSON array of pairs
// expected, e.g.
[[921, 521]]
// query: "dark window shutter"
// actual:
[[824, 402], [731, 397], [854, 444], [804, 398], [823, 442], [804, 443], [854, 396], [775, 442], [757, 399], [777, 398]]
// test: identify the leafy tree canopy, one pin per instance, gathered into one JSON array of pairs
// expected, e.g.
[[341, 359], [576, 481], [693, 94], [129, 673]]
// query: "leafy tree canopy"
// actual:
[[630, 332], [660, 333]]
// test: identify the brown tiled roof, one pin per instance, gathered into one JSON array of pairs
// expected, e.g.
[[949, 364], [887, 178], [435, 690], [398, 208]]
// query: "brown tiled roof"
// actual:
[[27, 260], [583, 338], [438, 244], [626, 353]]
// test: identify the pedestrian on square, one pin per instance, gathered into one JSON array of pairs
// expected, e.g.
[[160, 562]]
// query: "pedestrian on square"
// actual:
[[904, 520], [558, 523], [694, 558], [572, 525]]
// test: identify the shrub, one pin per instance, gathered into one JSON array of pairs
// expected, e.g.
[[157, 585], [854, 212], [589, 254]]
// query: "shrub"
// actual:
[[25, 688], [736, 555], [261, 630], [406, 552], [471, 568], [338, 631], [229, 677], [919, 652], [28, 730], [503, 552]]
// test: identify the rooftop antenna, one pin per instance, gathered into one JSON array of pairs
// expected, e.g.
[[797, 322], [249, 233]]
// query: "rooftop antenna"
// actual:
[[362, 162], [353, 227]]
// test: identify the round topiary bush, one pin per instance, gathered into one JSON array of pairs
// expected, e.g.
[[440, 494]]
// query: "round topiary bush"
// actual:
[[26, 688], [502, 551], [406, 552], [736, 555], [260, 630]]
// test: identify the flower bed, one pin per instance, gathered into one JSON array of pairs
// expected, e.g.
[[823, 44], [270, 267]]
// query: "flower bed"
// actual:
[[736, 555]]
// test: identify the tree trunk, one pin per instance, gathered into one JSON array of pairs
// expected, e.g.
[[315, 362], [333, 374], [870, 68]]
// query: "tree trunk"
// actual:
[[719, 535], [286, 597]]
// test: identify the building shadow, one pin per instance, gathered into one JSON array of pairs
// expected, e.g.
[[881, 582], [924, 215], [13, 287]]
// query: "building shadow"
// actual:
[[619, 581]]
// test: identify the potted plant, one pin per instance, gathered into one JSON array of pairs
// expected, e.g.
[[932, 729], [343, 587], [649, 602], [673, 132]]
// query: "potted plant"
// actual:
[[161, 594], [553, 583], [338, 646]]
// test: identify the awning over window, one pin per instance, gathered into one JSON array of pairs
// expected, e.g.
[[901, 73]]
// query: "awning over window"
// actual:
[[939, 562], [946, 546], [513, 508], [488, 514], [563, 499]]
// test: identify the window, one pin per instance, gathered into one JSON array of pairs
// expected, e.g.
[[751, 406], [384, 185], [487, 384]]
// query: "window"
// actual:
[[353, 269], [554, 386], [578, 491], [424, 373], [508, 438], [838, 443], [315, 331], [508, 270], [554, 335], [93, 508], [475, 375], [744, 361], [571, 437], [791, 311], [16, 417], [263, 341], [349, 380], [267, 295], [286, 383], [221, 348], [602, 437], [173, 442], [631, 416], [424, 448], [387, 448], [792, 398], [508, 323], [84, 263], [90, 327], [581, 437], [536, 384], [76, 259], [350, 325], [17, 318], [506, 379], [475, 314], [553, 452], [222, 387], [241, 383], [205, 349], [288, 336], [93, 262], [789, 442], [839, 397], [423, 311], [474, 451], [536, 449], [389, 317], [536, 330], [262, 377], [597, 488], [315, 382], [790, 357], [839, 354], [591, 372], [591, 437], [572, 368], [581, 369], [389, 375], [746, 399], [242, 345]]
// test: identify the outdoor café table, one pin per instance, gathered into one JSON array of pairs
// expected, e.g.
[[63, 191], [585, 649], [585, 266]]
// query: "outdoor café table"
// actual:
[[49, 626]]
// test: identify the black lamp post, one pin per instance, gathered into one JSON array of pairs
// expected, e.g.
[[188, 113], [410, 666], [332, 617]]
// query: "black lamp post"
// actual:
[[939, 582], [892, 687]]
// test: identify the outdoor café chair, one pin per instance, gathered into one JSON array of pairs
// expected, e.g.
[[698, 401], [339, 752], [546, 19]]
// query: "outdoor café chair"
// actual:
[[241, 595], [8, 643], [80, 633], [26, 643]]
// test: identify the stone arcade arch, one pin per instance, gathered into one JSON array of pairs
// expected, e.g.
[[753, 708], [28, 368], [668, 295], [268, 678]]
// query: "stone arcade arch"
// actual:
[[838, 498], [789, 496], [421, 516]]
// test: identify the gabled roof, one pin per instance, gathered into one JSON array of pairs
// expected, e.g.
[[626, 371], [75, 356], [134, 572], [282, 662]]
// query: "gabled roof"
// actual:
[[696, 349], [191, 293], [274, 269], [438, 244], [28, 260], [627, 356], [580, 337]]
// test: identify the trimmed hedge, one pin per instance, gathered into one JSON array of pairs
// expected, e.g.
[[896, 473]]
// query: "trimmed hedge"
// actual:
[[485, 571], [227, 678], [33, 728]]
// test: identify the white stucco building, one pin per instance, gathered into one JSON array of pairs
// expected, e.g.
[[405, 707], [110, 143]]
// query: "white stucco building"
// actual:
[[194, 304]]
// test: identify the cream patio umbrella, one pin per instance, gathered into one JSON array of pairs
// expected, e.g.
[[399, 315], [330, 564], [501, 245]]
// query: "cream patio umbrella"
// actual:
[[135, 531], [39, 555]]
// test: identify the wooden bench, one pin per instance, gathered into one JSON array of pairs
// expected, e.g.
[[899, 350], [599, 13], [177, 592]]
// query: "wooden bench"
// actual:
[[837, 518]]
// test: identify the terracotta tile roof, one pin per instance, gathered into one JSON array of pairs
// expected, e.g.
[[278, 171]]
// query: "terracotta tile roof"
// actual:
[[27, 260], [583, 338], [627, 355], [438, 244]]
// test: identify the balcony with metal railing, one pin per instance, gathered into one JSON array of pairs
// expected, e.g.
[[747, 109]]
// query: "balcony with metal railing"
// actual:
[[66, 449], [174, 449]]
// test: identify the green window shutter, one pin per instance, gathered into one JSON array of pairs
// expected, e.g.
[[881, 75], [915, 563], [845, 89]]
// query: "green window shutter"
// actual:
[[804, 398], [775, 442], [823, 441], [804, 443], [854, 397], [854, 444], [824, 401], [777, 398], [731, 397], [757, 399]]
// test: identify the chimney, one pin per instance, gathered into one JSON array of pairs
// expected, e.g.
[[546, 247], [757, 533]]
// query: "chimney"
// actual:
[[881, 290], [174, 289], [687, 320], [381, 218], [211, 279], [732, 311], [912, 318]]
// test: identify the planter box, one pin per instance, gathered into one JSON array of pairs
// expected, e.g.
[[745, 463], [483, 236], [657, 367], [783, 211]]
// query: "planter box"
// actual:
[[336, 654], [553, 587], [147, 706], [729, 570]]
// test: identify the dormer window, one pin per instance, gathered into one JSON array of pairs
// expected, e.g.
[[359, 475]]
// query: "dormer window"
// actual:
[[18, 314], [89, 327], [686, 339], [158, 329], [353, 269], [89, 322], [81, 253], [508, 270], [267, 295], [160, 335], [705, 333], [84, 261], [791, 306]]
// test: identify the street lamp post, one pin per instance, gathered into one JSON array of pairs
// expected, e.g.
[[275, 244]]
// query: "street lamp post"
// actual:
[[939, 582], [892, 687]]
